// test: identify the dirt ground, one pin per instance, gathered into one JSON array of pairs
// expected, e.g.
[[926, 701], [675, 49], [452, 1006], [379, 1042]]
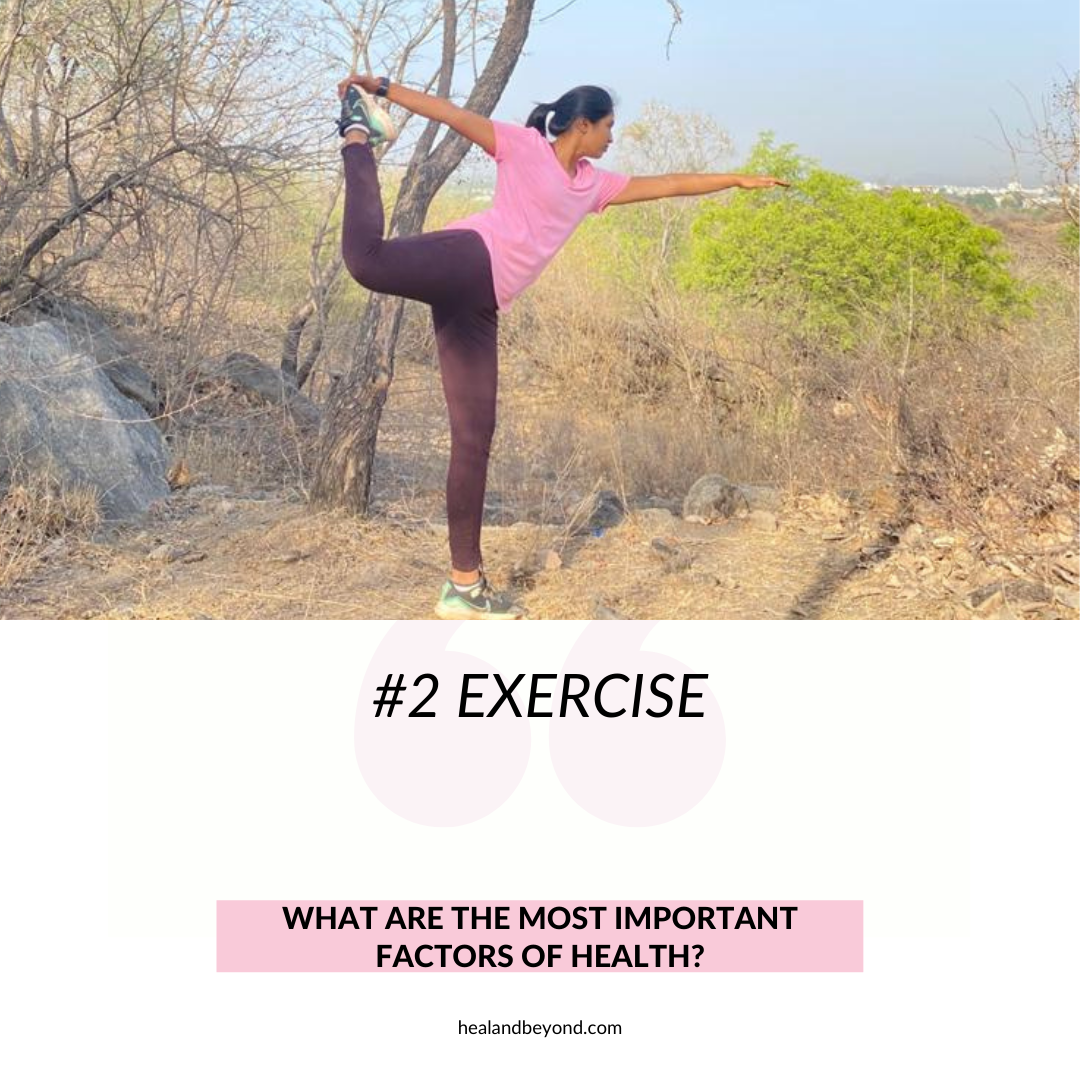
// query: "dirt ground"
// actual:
[[211, 552]]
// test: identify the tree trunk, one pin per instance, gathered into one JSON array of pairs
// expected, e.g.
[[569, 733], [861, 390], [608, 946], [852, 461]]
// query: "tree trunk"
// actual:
[[351, 420]]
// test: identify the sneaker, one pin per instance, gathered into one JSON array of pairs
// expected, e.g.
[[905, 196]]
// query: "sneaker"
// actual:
[[481, 602], [359, 109]]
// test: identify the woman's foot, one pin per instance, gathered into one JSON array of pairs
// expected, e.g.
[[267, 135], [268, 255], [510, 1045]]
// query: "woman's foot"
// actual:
[[478, 601], [360, 112]]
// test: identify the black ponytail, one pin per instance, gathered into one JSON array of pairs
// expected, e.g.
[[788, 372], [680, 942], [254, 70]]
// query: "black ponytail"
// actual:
[[538, 118], [591, 102]]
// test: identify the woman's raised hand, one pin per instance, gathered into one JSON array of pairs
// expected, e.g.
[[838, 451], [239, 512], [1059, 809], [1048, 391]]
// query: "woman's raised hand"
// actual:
[[366, 82], [761, 181]]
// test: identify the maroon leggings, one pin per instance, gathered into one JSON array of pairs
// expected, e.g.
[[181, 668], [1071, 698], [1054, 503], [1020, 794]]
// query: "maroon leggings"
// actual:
[[451, 271]]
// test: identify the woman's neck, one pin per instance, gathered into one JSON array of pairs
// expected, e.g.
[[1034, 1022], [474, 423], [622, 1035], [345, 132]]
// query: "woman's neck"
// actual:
[[568, 156]]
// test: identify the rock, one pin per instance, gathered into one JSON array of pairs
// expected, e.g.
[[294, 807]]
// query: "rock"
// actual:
[[1067, 597], [85, 331], [762, 496], [675, 557], [834, 533], [656, 521], [988, 599], [911, 536], [599, 511], [163, 553], [714, 498], [763, 520], [58, 412], [251, 373], [602, 611], [289, 557]]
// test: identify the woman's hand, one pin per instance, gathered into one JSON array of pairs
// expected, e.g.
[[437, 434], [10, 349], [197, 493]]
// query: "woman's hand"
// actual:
[[761, 181], [366, 82]]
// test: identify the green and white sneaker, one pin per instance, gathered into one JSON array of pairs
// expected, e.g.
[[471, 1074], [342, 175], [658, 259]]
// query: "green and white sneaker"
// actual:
[[480, 602], [359, 109]]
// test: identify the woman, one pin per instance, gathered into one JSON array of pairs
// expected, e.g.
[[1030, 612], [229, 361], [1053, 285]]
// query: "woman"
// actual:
[[473, 268]]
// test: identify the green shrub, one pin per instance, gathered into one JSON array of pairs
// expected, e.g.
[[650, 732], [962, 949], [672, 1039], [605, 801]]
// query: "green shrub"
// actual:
[[825, 255], [1070, 237]]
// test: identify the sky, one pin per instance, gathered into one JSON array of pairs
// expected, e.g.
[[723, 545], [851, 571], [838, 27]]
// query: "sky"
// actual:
[[891, 93]]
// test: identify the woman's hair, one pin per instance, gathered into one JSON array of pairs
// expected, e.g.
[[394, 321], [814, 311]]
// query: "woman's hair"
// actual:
[[591, 102]]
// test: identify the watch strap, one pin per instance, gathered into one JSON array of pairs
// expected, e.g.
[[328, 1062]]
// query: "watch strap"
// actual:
[[383, 88]]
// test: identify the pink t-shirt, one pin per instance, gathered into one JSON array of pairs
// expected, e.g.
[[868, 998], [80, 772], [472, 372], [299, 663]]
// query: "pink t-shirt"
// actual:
[[536, 207]]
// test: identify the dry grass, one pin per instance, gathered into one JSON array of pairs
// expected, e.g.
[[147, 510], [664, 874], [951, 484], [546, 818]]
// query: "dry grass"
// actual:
[[638, 391], [35, 510]]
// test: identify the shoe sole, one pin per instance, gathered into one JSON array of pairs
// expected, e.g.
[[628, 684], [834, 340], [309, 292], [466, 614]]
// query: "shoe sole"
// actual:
[[376, 111], [466, 616]]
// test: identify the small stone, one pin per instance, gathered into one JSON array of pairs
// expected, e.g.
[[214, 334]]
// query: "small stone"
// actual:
[[763, 520], [944, 541], [602, 611], [988, 600], [1069, 598], [761, 496], [908, 594], [714, 498], [912, 535], [193, 557], [675, 558], [893, 582], [834, 533], [226, 506], [163, 553], [294, 556]]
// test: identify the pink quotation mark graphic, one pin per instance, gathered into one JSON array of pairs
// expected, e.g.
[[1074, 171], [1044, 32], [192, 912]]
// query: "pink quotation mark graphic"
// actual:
[[449, 769], [638, 770], [441, 769]]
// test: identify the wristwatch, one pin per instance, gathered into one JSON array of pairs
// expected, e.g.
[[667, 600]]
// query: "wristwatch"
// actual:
[[383, 88]]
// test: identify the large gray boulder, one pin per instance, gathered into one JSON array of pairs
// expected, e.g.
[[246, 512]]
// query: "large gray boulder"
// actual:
[[59, 413], [85, 330], [715, 498]]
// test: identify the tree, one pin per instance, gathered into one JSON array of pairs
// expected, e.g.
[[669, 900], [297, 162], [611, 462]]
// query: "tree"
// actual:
[[351, 422], [826, 255], [132, 116], [693, 142], [1054, 140]]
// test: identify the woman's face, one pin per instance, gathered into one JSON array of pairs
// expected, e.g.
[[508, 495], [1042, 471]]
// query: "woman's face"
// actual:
[[595, 136], [602, 135]]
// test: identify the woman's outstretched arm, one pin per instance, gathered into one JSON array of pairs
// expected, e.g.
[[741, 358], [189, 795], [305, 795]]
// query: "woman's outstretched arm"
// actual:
[[642, 188], [475, 128]]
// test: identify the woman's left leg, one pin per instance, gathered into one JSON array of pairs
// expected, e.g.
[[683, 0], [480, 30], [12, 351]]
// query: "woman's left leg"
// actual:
[[426, 267], [467, 340]]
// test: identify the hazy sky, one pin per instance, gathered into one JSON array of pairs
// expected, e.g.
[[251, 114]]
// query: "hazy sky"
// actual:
[[899, 93]]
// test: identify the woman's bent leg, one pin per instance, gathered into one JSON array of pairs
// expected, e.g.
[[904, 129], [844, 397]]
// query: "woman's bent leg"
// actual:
[[426, 267], [467, 340]]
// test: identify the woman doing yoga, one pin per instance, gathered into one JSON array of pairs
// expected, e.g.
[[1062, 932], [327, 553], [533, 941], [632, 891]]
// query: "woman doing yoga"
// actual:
[[473, 268]]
